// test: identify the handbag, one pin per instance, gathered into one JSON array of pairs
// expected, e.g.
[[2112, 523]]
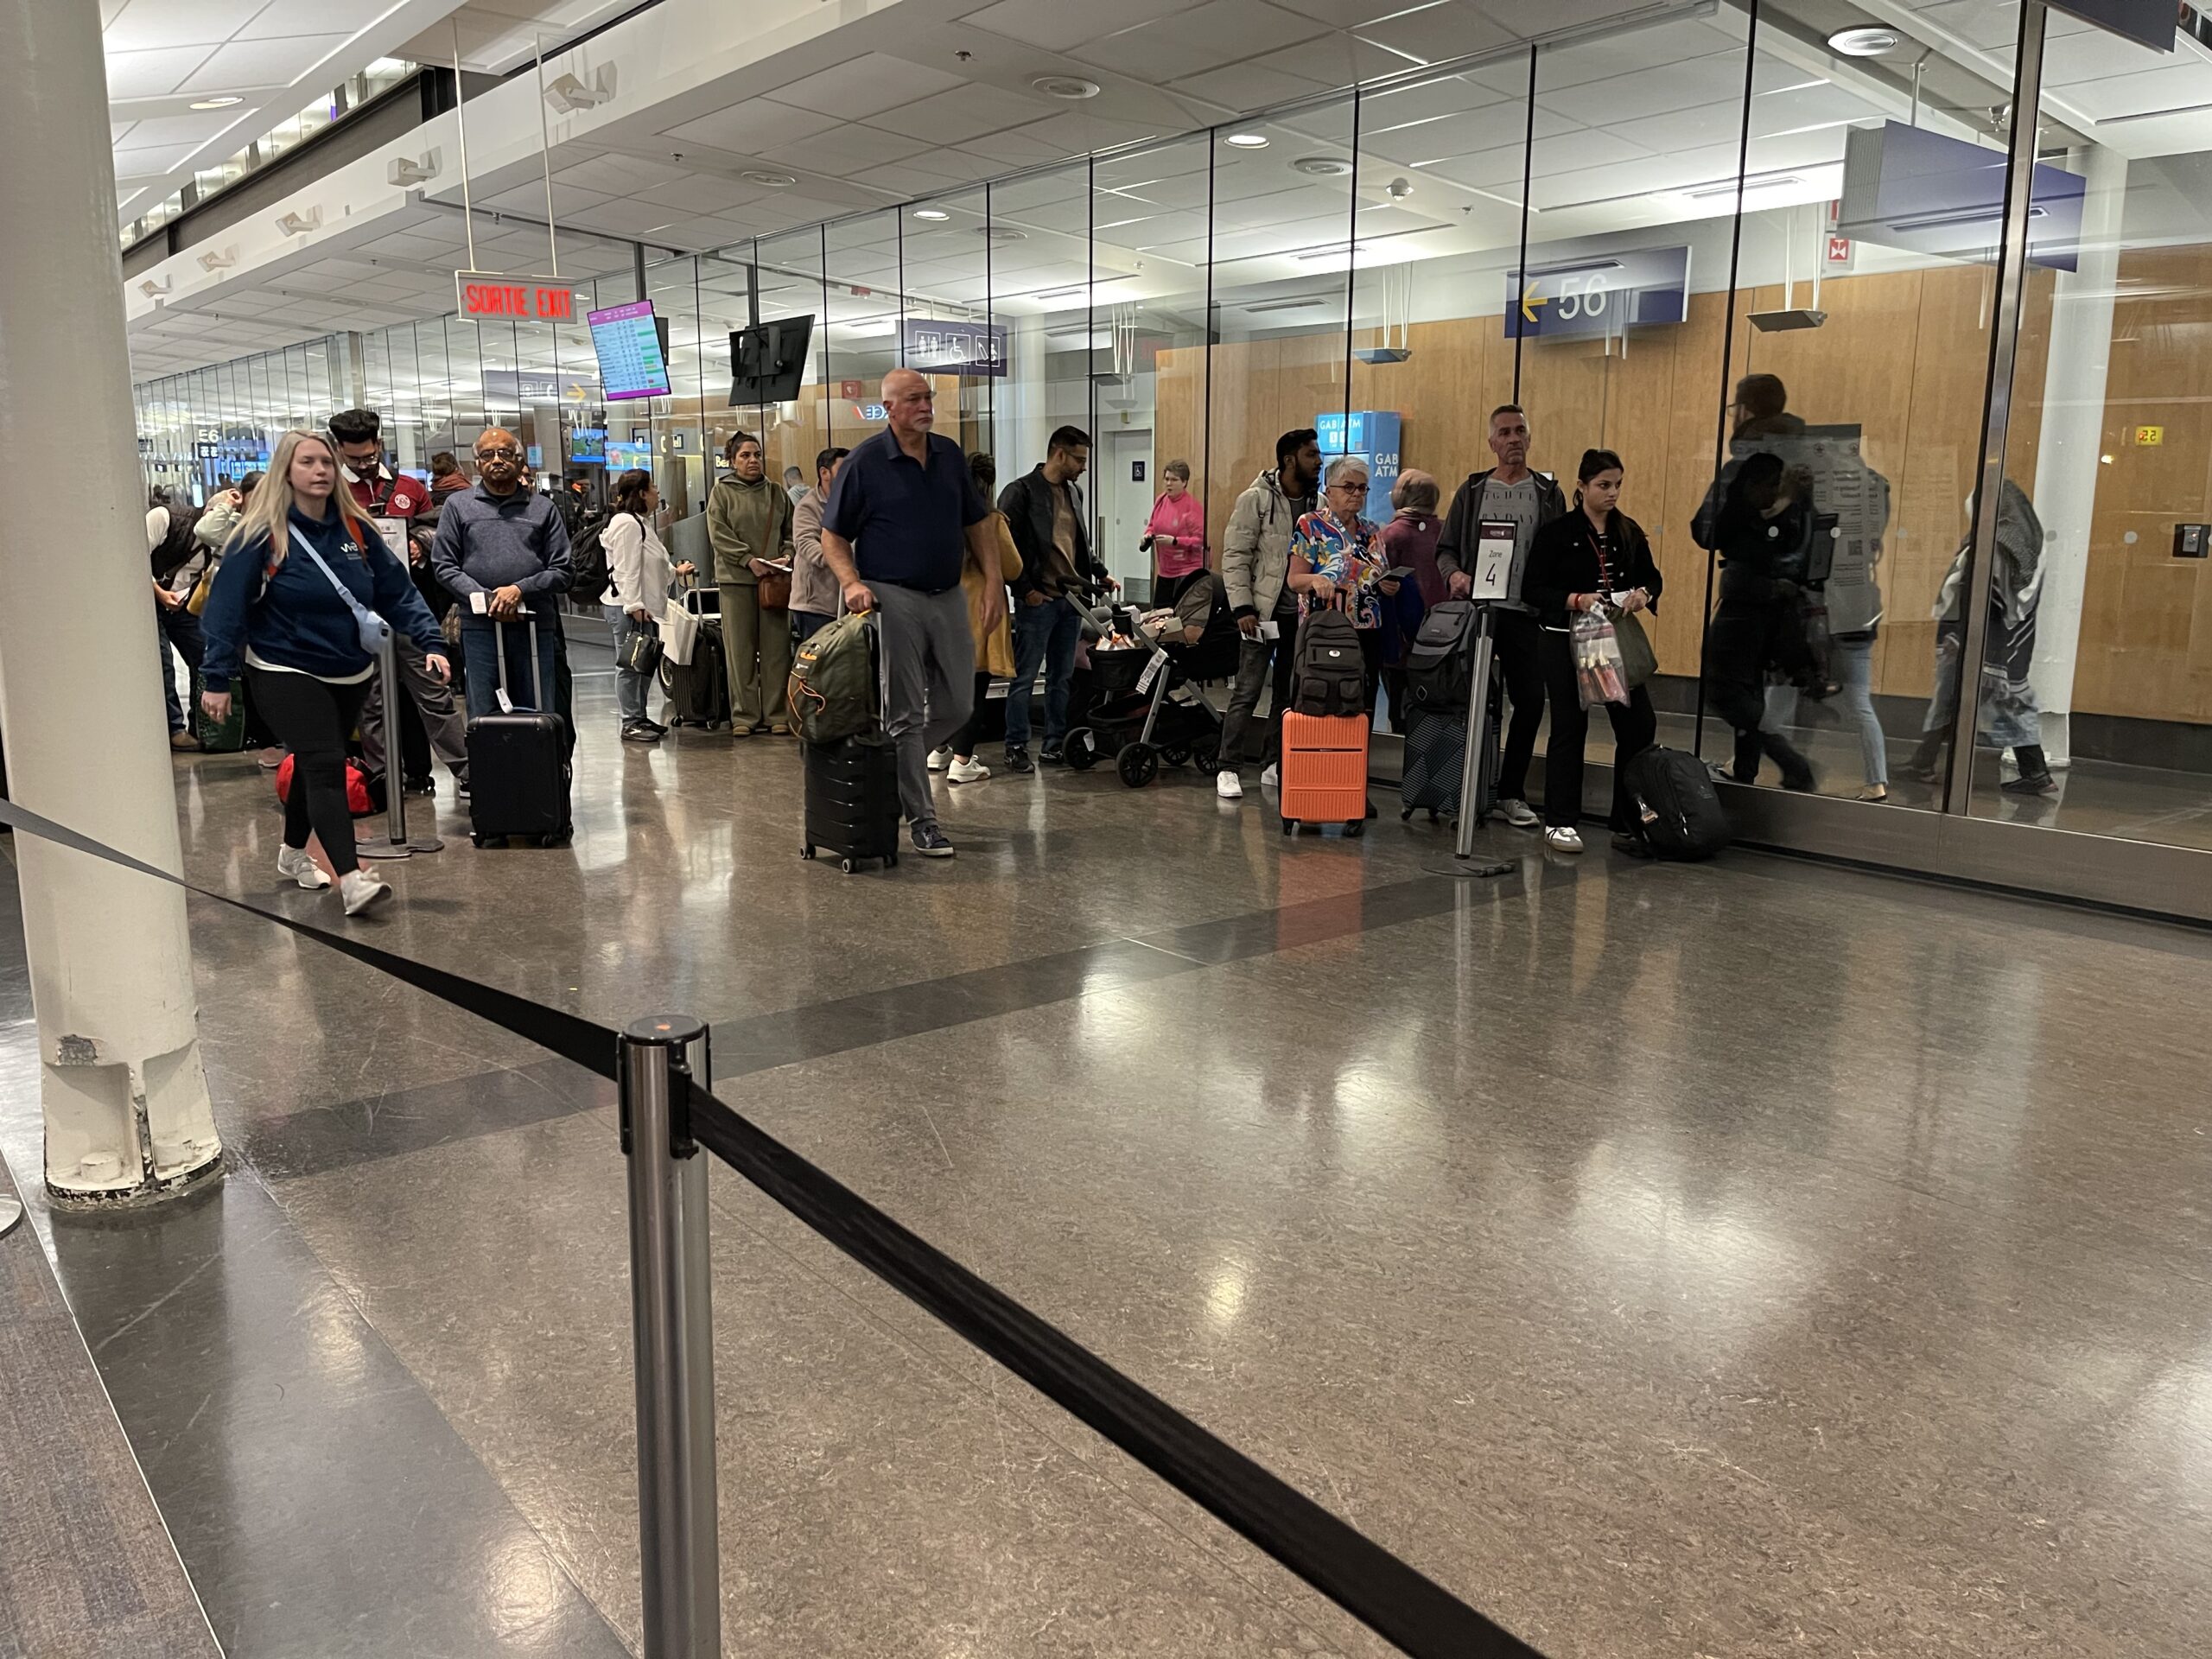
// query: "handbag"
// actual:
[[776, 591], [375, 633], [201, 589], [641, 652], [1638, 661]]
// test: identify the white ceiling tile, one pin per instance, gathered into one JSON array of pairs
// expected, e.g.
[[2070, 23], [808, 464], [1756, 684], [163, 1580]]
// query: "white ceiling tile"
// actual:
[[965, 112], [2176, 86], [617, 175], [183, 130], [698, 193], [754, 125], [151, 74], [859, 88], [245, 64], [530, 199], [631, 217], [1701, 80], [1244, 86], [137, 164], [843, 151], [157, 25], [1057, 25], [1219, 32]]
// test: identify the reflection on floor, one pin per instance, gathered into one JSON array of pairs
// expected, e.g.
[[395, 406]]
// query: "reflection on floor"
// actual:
[[1746, 1259]]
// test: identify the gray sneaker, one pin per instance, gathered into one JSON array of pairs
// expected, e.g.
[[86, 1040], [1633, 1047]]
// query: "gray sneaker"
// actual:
[[1519, 814], [928, 841]]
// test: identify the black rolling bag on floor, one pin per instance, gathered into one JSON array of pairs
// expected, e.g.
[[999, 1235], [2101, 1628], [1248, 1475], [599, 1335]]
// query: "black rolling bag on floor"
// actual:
[[852, 800], [1436, 756], [698, 692], [518, 764]]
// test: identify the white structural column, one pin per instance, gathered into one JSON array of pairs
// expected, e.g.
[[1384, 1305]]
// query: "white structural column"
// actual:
[[2068, 470], [127, 1112]]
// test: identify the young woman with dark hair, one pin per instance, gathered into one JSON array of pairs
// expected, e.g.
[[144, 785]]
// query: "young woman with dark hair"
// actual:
[[1595, 557]]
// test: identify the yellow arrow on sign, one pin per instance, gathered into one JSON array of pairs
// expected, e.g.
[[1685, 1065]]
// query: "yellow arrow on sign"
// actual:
[[1530, 299]]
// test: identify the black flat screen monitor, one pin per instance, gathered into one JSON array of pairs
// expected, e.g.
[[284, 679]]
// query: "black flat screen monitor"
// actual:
[[767, 362]]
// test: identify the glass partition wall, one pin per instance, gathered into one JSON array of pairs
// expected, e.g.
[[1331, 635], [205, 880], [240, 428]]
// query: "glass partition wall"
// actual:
[[1696, 238]]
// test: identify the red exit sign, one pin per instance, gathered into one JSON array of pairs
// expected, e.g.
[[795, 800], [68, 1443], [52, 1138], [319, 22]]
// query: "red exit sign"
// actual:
[[526, 299]]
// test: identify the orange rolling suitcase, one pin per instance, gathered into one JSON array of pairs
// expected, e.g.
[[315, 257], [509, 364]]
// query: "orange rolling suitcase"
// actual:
[[1325, 770]]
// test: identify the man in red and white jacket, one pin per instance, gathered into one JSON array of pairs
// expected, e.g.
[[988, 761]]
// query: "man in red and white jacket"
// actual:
[[377, 491]]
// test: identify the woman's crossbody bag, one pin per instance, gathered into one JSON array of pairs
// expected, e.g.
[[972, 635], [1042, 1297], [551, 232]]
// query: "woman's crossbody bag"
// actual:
[[375, 632]]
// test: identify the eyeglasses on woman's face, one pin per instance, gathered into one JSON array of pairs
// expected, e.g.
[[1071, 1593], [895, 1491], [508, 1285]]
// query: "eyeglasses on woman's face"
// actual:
[[1352, 487]]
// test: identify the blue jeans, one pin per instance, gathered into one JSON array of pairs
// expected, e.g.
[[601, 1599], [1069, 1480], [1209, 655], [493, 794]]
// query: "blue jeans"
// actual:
[[481, 652], [1045, 635], [631, 689], [179, 628]]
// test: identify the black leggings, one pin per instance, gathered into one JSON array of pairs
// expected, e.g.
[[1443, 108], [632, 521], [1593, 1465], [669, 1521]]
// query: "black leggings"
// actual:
[[963, 741], [1634, 727], [1513, 635], [312, 719]]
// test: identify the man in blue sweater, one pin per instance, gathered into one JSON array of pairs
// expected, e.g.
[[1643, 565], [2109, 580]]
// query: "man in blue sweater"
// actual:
[[501, 550]]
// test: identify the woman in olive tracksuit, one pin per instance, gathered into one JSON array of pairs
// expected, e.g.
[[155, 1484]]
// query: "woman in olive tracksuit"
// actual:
[[1578, 563]]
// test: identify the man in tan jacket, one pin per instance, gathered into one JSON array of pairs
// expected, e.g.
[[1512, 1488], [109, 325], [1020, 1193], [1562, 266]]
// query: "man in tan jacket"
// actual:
[[749, 522]]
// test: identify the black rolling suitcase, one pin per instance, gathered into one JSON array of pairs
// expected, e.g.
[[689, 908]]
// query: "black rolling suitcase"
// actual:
[[519, 764], [852, 801], [698, 692], [1436, 756]]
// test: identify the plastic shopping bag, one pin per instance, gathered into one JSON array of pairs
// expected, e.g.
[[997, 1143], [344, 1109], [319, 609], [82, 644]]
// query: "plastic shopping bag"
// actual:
[[1600, 674], [679, 632]]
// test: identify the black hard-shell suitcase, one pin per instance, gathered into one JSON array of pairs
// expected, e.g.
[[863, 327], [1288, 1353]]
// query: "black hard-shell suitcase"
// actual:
[[698, 692], [1678, 810], [852, 801], [518, 764], [1436, 758]]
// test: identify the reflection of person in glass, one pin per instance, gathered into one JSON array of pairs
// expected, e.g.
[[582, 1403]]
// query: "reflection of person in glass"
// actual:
[[1761, 526], [1596, 557], [2009, 713], [1175, 535]]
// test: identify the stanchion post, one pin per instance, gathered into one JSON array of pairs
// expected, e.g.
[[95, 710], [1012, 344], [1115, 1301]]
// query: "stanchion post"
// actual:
[[672, 1321], [1475, 771], [395, 842]]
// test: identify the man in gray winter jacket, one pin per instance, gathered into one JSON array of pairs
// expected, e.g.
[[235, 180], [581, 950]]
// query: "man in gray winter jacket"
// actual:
[[1256, 558]]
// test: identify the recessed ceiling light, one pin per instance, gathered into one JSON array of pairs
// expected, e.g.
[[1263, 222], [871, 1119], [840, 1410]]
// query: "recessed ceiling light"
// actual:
[[769, 181], [222, 103], [932, 214], [1247, 140], [1322, 166], [1866, 41], [1003, 233], [1066, 86]]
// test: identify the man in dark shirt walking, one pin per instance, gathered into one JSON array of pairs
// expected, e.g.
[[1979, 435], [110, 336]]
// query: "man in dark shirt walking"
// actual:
[[903, 520]]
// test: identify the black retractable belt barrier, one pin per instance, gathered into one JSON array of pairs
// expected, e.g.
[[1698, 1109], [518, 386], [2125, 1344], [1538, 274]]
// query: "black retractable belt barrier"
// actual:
[[1396, 1600]]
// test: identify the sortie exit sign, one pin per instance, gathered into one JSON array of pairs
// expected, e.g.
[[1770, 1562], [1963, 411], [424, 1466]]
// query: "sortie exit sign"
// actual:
[[521, 299]]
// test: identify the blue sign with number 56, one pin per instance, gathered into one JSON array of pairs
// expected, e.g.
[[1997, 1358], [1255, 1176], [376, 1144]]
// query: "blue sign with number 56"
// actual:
[[1601, 294]]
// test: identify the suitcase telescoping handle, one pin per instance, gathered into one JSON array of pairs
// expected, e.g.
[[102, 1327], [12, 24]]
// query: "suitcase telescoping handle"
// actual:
[[537, 674]]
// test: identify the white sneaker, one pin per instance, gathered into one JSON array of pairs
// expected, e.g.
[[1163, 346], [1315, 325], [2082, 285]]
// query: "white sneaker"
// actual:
[[940, 759], [1271, 779], [1519, 814], [970, 771], [1226, 786], [361, 889], [1563, 838], [293, 865]]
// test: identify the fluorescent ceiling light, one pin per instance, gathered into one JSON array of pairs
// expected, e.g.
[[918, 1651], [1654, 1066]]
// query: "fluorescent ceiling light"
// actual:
[[1058, 292], [222, 103], [934, 215], [869, 327], [1246, 141], [1701, 193], [1284, 305]]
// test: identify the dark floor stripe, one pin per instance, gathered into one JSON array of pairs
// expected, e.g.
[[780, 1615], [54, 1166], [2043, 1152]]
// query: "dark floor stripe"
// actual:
[[324, 1138]]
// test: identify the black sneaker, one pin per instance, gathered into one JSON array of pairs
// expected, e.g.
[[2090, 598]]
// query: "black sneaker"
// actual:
[[639, 731], [928, 841], [1017, 758], [420, 785], [2030, 783], [460, 789], [656, 725], [1054, 754]]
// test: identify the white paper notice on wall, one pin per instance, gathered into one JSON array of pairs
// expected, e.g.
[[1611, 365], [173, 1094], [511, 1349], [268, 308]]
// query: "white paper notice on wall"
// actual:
[[1493, 575]]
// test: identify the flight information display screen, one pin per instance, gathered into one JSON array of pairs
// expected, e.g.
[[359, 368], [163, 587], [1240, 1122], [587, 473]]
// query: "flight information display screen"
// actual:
[[631, 362]]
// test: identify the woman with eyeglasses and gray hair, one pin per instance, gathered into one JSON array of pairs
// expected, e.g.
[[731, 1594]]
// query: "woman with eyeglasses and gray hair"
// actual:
[[1175, 535], [1337, 560]]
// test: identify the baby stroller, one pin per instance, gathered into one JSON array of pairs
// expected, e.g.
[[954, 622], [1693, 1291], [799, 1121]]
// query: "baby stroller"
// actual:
[[1143, 704]]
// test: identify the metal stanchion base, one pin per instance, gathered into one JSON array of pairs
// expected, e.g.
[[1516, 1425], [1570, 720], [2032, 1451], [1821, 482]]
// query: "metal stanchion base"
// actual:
[[1482, 869], [10, 1213], [379, 848]]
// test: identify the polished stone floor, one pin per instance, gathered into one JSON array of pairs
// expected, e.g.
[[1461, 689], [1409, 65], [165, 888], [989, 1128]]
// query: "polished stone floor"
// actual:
[[1747, 1259]]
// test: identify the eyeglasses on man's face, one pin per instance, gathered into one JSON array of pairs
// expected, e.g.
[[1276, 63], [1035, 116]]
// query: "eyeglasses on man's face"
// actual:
[[505, 452]]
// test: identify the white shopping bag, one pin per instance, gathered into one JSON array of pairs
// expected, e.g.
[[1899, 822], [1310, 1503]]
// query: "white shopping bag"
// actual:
[[679, 631]]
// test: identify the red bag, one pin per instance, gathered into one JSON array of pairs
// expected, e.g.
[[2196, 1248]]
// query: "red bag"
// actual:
[[357, 788]]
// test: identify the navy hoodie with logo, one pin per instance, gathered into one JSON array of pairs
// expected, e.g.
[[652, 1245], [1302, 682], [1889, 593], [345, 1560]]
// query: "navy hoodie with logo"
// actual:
[[291, 617]]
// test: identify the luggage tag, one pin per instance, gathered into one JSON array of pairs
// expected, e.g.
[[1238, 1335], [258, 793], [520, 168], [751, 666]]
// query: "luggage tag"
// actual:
[[1152, 668]]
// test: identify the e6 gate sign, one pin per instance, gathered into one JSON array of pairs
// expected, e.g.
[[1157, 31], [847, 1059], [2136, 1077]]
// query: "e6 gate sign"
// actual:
[[515, 299]]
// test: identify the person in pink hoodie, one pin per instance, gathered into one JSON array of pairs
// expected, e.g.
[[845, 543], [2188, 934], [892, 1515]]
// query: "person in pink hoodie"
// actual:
[[1175, 534]]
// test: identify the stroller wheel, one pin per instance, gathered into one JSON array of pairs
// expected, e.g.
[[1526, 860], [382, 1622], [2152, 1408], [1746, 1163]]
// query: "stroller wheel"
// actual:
[[1176, 755], [1082, 748], [1206, 758], [1138, 763]]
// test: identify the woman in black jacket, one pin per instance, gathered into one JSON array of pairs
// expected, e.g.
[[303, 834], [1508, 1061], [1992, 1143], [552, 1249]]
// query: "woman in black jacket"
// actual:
[[1762, 523], [1596, 555]]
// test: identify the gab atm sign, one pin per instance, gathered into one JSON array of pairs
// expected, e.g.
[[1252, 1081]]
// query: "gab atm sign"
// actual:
[[514, 299]]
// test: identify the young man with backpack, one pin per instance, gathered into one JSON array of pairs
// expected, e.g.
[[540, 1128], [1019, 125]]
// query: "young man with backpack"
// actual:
[[1508, 493], [177, 558], [1256, 559]]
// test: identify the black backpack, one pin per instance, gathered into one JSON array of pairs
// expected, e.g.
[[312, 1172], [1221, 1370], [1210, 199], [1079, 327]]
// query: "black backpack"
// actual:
[[176, 548], [588, 575], [1328, 674], [1677, 809], [1440, 664]]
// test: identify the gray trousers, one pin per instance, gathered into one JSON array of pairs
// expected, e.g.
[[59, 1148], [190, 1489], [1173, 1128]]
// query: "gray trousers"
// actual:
[[442, 721], [928, 682]]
